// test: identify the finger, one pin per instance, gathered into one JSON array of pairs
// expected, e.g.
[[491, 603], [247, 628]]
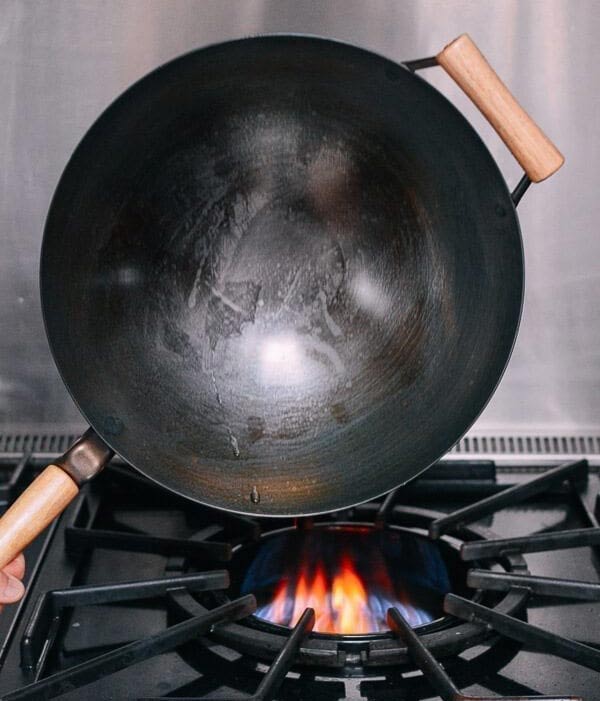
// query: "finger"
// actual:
[[16, 567], [11, 588]]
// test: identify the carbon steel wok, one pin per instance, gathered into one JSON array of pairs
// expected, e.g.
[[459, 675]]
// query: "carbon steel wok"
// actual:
[[281, 275]]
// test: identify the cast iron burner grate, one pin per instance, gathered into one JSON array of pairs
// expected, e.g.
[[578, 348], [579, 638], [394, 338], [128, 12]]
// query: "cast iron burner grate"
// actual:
[[497, 606], [354, 654]]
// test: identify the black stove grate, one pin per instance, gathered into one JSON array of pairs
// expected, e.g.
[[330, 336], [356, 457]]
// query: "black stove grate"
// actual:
[[134, 653], [443, 637], [86, 529], [435, 673], [43, 625], [273, 679]]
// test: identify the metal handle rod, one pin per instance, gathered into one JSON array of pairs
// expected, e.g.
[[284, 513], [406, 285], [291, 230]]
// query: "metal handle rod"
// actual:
[[520, 189], [508, 497], [544, 586], [529, 635], [537, 543]]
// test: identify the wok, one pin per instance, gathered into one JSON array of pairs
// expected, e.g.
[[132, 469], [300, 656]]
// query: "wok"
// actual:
[[281, 276]]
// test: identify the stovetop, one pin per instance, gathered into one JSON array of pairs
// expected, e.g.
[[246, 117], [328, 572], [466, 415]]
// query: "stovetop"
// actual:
[[120, 601]]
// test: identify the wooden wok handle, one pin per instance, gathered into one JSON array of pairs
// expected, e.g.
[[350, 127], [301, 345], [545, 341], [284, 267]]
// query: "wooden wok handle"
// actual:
[[45, 498], [50, 493], [463, 61]]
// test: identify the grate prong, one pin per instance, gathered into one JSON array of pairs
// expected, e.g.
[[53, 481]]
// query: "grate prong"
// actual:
[[435, 673], [508, 497], [138, 651], [542, 586], [536, 543], [532, 637]]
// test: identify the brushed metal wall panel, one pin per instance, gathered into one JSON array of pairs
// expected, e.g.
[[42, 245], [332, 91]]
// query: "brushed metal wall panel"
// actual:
[[62, 62]]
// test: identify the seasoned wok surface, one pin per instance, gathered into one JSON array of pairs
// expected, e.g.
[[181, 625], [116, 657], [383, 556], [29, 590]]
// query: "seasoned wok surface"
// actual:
[[281, 275]]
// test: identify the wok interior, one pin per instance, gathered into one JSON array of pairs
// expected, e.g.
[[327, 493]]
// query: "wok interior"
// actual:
[[275, 303]]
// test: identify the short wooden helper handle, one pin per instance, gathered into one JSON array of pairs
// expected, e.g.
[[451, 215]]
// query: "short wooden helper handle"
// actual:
[[463, 61], [45, 498]]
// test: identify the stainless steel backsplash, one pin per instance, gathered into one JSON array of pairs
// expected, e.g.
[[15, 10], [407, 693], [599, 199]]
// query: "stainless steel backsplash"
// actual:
[[63, 62]]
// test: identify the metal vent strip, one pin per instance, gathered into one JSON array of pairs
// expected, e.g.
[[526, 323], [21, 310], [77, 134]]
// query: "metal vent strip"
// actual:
[[504, 447], [529, 447], [35, 443], [44, 441], [528, 444]]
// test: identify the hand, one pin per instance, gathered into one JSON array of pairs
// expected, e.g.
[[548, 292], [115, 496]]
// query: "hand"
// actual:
[[11, 586]]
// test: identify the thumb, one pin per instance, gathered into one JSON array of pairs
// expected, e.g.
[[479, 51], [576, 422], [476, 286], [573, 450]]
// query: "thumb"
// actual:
[[11, 588]]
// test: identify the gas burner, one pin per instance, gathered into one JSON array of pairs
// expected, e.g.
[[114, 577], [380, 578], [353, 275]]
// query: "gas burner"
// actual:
[[406, 528], [349, 573]]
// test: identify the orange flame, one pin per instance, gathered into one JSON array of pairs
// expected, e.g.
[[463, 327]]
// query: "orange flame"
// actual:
[[349, 575], [349, 601], [340, 607]]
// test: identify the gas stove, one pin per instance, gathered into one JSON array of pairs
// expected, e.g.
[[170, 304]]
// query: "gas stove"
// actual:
[[135, 593]]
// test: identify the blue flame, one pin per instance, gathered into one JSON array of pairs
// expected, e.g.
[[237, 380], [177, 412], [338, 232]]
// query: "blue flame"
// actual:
[[378, 605], [397, 568]]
